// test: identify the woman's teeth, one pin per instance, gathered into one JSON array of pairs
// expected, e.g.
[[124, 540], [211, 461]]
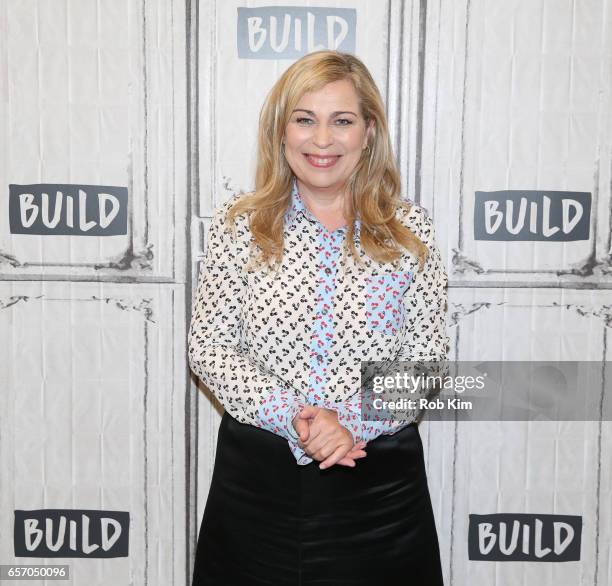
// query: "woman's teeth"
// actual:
[[322, 161]]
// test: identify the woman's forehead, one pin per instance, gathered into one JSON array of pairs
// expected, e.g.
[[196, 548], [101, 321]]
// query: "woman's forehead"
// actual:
[[340, 89], [330, 99]]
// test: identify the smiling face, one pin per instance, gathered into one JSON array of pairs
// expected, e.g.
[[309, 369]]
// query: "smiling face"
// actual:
[[325, 137]]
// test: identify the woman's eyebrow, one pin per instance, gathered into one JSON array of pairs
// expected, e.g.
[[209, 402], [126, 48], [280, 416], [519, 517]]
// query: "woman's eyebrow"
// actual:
[[333, 113]]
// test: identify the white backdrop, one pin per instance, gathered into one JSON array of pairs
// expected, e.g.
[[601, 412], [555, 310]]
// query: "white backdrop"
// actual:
[[98, 410]]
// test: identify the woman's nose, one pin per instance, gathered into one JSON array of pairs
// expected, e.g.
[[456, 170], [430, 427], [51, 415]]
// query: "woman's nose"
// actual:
[[322, 136]]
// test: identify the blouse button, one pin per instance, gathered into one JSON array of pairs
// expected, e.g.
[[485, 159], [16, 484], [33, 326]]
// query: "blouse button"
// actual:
[[328, 271]]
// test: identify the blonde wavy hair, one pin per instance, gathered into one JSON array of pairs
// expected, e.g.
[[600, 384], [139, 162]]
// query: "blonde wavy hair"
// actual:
[[374, 185]]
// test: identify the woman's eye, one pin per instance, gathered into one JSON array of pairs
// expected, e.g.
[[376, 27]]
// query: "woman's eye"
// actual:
[[342, 121]]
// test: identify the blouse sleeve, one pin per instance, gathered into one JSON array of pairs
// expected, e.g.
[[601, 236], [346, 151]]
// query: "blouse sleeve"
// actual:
[[426, 303], [424, 334], [247, 391]]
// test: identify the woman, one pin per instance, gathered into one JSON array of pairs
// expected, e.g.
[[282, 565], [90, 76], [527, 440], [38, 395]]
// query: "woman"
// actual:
[[322, 267]]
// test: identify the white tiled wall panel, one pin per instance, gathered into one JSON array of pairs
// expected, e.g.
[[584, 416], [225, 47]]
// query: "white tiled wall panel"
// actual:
[[93, 417], [94, 93], [519, 96]]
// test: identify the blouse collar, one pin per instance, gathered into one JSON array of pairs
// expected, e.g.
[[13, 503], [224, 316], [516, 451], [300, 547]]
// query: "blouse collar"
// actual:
[[298, 207]]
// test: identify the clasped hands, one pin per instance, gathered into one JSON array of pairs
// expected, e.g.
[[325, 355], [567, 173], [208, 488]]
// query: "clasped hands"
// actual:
[[324, 439]]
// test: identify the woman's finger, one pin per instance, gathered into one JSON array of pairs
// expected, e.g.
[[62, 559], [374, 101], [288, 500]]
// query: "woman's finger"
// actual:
[[339, 453], [314, 432], [324, 444], [316, 443], [325, 452], [309, 411], [302, 429], [347, 461]]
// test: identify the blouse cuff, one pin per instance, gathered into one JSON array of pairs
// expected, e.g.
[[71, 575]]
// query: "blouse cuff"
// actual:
[[370, 426], [301, 457], [277, 412], [349, 416]]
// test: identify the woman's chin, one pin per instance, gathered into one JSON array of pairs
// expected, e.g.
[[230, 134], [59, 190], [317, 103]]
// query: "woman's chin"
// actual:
[[322, 180]]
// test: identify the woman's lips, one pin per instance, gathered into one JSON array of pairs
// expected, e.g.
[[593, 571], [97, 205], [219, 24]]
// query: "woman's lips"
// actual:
[[322, 162]]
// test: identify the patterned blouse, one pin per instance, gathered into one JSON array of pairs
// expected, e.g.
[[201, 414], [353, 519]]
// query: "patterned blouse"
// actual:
[[267, 342]]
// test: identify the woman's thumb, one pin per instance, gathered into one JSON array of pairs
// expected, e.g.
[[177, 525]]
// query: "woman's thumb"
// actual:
[[308, 411]]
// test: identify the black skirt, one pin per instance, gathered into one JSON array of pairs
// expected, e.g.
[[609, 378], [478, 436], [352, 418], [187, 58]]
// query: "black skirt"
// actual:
[[269, 521]]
